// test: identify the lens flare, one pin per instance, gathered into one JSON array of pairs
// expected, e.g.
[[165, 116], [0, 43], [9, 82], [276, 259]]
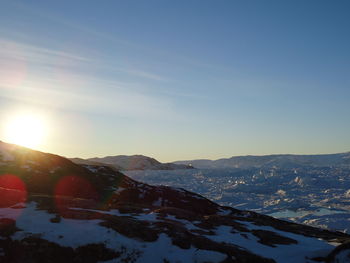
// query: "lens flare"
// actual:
[[13, 190], [74, 191]]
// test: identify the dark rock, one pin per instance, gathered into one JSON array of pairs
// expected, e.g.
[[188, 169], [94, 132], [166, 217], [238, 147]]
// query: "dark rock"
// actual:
[[270, 238]]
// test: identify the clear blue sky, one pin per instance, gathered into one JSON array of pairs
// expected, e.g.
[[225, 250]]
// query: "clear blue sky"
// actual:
[[180, 79]]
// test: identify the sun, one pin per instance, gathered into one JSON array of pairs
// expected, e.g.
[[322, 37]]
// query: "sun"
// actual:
[[26, 130]]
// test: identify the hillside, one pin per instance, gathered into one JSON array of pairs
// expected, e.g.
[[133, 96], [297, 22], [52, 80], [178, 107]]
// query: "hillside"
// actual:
[[132, 162], [53, 210]]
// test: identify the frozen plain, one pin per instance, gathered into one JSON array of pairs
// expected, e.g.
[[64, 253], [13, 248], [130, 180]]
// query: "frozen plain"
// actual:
[[317, 196]]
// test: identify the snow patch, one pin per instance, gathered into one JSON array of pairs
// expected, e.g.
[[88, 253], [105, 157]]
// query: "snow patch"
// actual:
[[65, 233]]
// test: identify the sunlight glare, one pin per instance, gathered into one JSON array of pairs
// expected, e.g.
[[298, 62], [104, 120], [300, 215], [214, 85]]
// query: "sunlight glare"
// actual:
[[25, 130]]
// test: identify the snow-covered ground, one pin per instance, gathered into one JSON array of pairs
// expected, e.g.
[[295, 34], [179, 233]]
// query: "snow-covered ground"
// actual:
[[34, 222], [313, 196], [295, 253]]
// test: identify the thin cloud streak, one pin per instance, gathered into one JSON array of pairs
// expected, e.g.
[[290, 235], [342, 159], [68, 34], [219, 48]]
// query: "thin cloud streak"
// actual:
[[45, 80], [41, 56], [183, 59], [120, 103], [17, 50]]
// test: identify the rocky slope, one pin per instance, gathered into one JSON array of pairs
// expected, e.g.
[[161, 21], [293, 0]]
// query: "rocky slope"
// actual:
[[132, 162], [53, 210]]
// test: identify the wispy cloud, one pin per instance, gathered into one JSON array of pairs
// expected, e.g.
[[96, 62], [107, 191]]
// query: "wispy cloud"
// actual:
[[172, 57], [121, 103], [56, 78], [41, 56], [15, 50]]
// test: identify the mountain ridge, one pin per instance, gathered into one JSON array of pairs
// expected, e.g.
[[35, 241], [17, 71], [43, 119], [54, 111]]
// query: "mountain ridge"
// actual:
[[132, 162], [271, 161]]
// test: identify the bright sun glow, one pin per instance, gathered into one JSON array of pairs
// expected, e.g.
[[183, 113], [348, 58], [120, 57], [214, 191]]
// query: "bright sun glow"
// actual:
[[26, 130]]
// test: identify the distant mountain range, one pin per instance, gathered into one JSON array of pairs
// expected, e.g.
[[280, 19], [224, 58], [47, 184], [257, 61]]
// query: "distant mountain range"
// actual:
[[281, 161], [132, 162], [284, 161]]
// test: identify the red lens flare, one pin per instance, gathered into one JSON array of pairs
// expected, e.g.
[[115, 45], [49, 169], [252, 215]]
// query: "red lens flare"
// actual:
[[72, 192], [12, 190]]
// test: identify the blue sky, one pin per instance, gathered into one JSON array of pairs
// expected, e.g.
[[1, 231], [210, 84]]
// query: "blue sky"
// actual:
[[180, 79]]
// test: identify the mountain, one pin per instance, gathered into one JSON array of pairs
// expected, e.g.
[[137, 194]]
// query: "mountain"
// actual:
[[133, 162], [52, 210], [89, 162], [273, 161]]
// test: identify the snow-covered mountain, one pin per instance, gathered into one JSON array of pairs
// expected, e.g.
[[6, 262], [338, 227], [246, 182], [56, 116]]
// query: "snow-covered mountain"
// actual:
[[52, 210], [132, 162], [283, 161]]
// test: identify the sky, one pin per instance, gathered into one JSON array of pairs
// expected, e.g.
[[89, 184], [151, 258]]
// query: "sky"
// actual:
[[179, 80]]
